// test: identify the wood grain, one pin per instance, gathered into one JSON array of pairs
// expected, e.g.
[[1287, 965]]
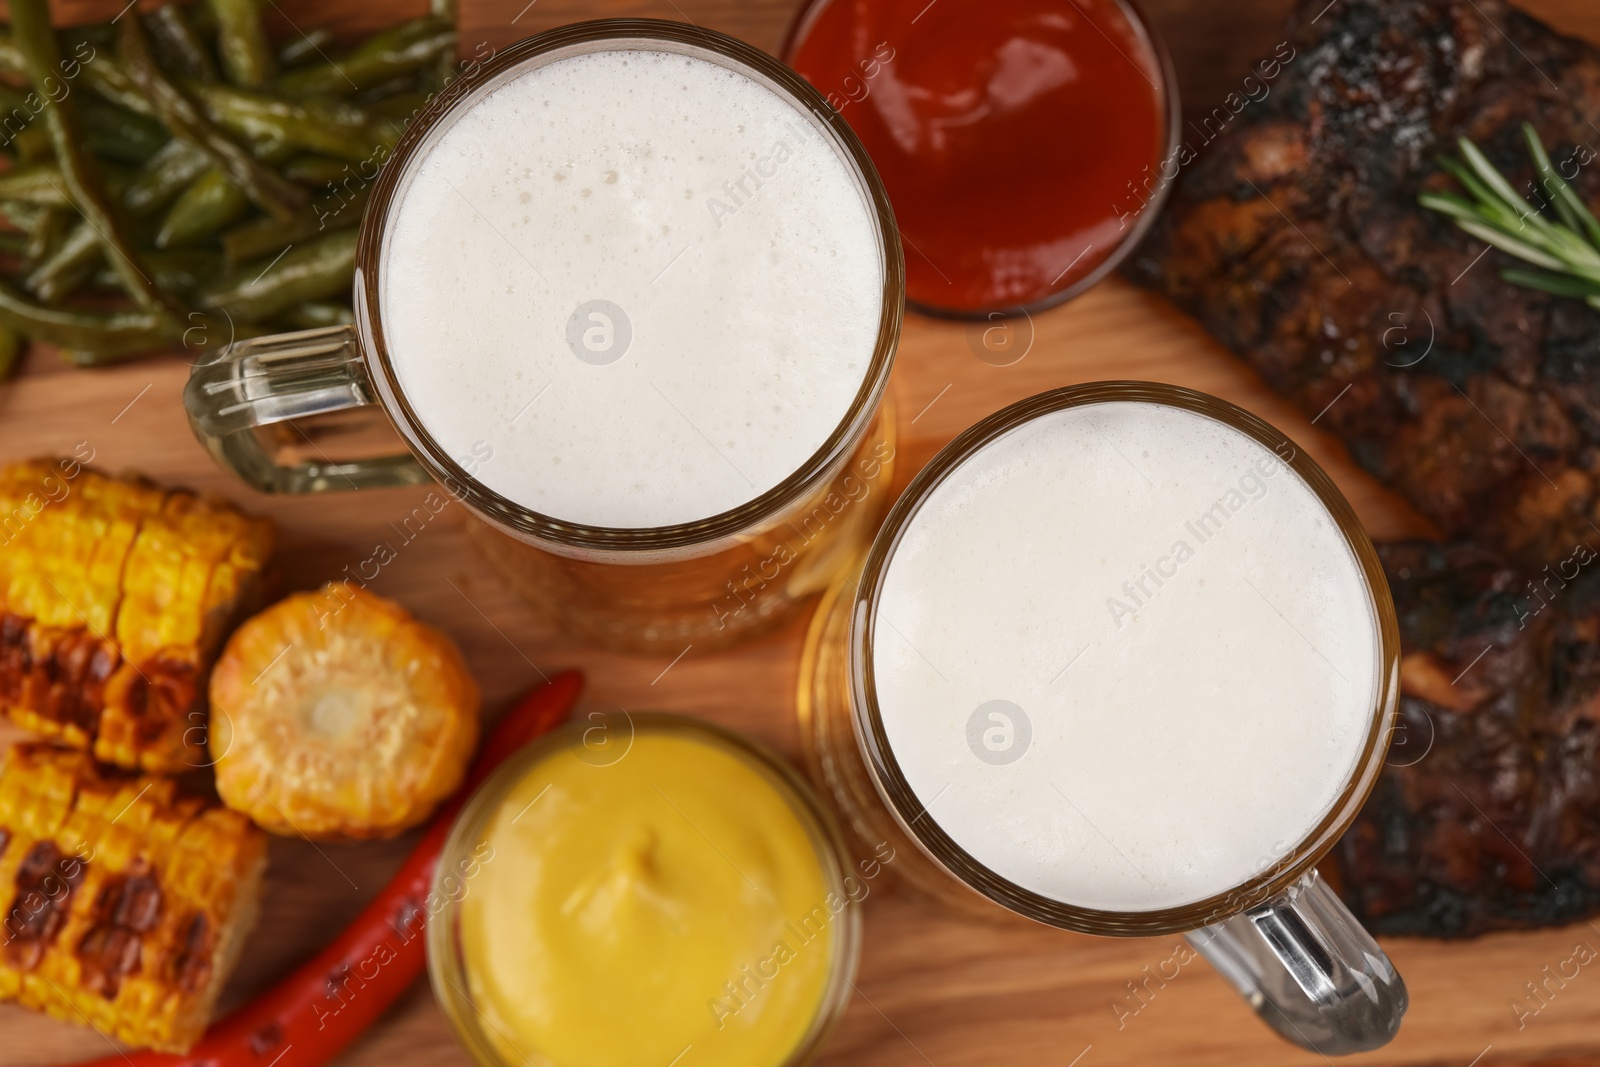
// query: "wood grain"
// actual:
[[932, 989]]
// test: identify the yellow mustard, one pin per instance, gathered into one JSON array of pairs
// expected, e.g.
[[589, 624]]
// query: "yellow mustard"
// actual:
[[665, 907]]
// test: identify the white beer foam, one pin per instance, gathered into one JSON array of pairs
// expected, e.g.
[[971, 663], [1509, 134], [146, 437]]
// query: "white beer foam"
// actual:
[[727, 250], [1180, 640]]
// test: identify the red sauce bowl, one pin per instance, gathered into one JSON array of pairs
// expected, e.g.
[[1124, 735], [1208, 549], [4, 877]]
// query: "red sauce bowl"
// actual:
[[1026, 145]]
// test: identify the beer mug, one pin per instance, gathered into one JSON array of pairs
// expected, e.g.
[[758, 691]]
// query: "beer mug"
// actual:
[[1121, 660], [630, 291]]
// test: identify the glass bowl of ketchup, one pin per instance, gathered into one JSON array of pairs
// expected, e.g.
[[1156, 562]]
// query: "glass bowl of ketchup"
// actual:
[[1027, 145]]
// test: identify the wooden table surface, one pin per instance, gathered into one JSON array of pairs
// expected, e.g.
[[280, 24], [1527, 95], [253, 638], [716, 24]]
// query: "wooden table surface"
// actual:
[[932, 989]]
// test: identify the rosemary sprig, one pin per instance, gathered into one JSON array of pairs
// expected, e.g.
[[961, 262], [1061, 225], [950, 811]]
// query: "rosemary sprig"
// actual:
[[1566, 247]]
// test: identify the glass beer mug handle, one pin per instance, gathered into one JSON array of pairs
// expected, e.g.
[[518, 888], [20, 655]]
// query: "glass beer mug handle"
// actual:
[[269, 380], [1309, 969]]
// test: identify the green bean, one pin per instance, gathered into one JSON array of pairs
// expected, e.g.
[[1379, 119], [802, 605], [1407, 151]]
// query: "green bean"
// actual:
[[18, 127], [24, 215], [119, 134], [10, 349], [14, 243], [107, 77], [183, 270], [265, 237], [312, 315], [68, 266], [11, 62], [396, 52], [405, 83], [204, 21], [317, 270], [443, 70], [48, 231], [273, 153], [201, 334], [403, 106], [164, 176], [275, 194], [99, 70], [327, 127], [179, 46], [194, 96], [431, 80], [37, 183], [95, 34], [103, 334], [30, 24], [305, 48], [33, 144], [211, 202], [38, 228], [316, 170], [247, 59]]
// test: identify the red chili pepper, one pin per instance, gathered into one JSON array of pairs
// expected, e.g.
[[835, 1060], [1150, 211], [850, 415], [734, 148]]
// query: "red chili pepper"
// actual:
[[311, 1015]]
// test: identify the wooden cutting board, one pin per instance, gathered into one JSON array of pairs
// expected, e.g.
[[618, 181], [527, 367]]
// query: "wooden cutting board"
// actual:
[[933, 989]]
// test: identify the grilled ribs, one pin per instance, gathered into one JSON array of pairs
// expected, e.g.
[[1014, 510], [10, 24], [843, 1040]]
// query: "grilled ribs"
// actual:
[[1295, 237], [1487, 815]]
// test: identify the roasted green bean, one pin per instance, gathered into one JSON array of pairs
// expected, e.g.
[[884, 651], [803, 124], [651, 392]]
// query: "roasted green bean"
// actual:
[[107, 78], [103, 334], [204, 22], [328, 127], [39, 228], [17, 125], [274, 193], [211, 202], [119, 134], [316, 170], [392, 53], [37, 183], [24, 214], [444, 70], [312, 315], [48, 230], [178, 45], [68, 265], [247, 59], [401, 107], [203, 332], [168, 128], [11, 62], [182, 270], [266, 237], [305, 48], [316, 270], [30, 25], [165, 175], [109, 130]]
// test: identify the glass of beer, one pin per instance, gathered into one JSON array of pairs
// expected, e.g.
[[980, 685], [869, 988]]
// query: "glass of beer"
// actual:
[[1121, 660], [630, 292]]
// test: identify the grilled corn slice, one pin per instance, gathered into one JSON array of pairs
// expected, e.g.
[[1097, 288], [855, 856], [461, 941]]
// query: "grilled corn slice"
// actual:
[[335, 714], [126, 903], [114, 598]]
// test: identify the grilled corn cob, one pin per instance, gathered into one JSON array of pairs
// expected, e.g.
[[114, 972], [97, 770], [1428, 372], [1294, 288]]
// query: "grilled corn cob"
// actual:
[[114, 598], [127, 902], [335, 714]]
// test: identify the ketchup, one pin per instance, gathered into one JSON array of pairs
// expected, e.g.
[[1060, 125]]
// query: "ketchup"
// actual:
[[1009, 134]]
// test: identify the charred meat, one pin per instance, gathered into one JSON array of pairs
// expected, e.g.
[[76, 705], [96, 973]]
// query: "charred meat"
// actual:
[[1294, 235], [1487, 815]]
